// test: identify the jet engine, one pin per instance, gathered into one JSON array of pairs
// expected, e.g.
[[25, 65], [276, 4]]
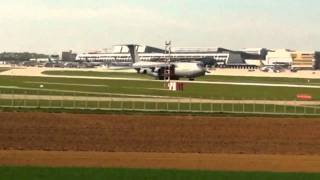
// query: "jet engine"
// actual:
[[148, 71], [143, 71]]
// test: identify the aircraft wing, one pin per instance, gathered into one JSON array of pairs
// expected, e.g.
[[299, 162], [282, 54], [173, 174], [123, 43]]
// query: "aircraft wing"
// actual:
[[121, 68], [160, 65], [142, 66]]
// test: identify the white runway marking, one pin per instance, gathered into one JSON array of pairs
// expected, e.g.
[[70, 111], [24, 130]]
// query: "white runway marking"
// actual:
[[86, 92], [67, 84], [9, 87]]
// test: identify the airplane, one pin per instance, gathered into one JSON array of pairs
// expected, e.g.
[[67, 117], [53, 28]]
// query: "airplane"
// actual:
[[162, 70]]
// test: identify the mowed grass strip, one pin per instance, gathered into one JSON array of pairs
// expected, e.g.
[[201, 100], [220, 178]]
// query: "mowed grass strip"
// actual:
[[214, 78], [156, 88], [35, 173], [271, 80], [98, 74]]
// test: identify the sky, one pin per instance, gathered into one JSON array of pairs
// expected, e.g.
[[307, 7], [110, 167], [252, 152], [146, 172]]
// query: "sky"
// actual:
[[52, 26]]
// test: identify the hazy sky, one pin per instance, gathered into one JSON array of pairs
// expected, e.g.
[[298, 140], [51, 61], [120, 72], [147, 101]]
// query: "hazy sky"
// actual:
[[50, 26]]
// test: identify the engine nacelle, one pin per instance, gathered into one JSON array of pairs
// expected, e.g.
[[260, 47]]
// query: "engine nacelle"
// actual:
[[144, 71], [156, 70], [147, 71]]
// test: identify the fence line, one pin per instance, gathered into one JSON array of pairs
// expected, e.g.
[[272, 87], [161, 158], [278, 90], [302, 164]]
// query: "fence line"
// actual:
[[167, 104], [109, 104]]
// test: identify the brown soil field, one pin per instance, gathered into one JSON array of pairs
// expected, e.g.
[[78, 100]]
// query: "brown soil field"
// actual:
[[192, 161], [279, 142], [168, 134]]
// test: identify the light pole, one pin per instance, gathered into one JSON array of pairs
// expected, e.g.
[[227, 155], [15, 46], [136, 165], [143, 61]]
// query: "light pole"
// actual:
[[168, 60]]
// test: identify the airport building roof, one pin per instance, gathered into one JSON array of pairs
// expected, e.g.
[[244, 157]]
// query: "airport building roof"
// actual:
[[141, 49], [194, 49]]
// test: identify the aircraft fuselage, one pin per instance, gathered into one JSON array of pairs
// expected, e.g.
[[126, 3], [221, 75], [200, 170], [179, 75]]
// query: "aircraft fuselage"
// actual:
[[178, 69]]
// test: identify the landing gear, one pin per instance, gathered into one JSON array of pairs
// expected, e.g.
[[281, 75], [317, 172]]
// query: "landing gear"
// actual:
[[165, 78], [159, 78]]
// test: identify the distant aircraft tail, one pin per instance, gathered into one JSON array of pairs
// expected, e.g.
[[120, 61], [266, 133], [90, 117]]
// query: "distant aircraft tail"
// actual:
[[133, 49]]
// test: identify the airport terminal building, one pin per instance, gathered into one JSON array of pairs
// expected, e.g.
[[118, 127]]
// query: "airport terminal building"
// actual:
[[293, 59], [217, 56]]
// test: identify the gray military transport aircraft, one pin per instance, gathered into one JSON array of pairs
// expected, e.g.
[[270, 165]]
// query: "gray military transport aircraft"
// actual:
[[164, 70]]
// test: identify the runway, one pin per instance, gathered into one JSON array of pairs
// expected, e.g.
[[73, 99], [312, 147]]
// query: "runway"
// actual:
[[37, 72]]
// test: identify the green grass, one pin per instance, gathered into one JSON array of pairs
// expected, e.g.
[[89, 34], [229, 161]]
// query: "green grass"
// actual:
[[271, 80], [19, 85], [37, 173], [218, 78], [98, 74]]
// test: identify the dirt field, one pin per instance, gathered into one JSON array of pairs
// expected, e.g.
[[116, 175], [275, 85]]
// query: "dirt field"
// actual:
[[220, 162], [186, 134], [276, 141]]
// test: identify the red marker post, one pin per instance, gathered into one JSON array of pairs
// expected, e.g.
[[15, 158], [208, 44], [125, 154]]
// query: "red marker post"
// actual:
[[305, 97]]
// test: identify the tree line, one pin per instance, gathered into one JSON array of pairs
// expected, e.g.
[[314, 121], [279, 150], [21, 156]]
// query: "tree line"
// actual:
[[20, 56]]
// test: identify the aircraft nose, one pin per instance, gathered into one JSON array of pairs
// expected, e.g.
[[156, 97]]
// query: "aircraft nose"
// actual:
[[202, 70]]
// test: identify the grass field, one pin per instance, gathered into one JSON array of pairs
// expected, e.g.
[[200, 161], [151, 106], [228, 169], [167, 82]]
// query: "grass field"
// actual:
[[98, 74], [273, 80], [31, 85], [34, 173]]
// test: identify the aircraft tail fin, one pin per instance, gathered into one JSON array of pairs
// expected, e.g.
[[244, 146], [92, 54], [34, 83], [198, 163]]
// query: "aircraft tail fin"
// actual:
[[133, 49]]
